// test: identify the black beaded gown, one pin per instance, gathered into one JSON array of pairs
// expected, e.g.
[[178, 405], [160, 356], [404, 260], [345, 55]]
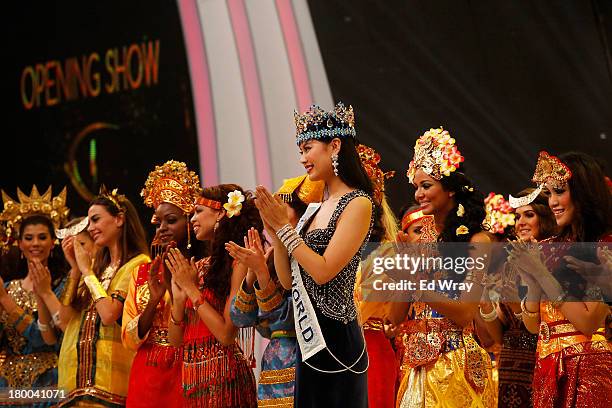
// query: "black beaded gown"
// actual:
[[337, 314]]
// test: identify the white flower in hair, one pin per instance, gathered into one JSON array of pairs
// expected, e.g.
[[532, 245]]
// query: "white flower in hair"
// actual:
[[234, 203]]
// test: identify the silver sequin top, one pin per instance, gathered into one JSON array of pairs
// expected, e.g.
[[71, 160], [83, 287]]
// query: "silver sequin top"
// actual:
[[335, 298]]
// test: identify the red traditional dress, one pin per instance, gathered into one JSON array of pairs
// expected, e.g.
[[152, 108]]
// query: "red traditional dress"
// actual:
[[156, 370], [213, 374]]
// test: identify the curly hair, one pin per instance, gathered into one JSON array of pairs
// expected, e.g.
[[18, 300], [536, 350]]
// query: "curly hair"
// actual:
[[219, 276], [472, 200]]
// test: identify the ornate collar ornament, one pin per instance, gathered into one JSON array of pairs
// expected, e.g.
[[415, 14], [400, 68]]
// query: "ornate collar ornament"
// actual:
[[72, 230], [411, 217], [234, 203], [499, 214], [436, 154], [307, 191], [16, 211], [172, 183], [318, 124], [549, 169], [369, 160]]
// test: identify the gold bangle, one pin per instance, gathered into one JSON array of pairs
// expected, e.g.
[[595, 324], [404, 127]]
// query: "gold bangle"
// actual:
[[95, 287], [176, 322], [526, 312]]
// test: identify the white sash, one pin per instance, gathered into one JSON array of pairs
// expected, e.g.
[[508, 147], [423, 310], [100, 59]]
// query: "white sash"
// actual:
[[309, 334]]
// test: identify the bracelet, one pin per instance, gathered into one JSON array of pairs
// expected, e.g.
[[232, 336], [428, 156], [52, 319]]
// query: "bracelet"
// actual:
[[526, 312], [43, 327], [488, 317], [69, 291], [519, 315], [95, 287], [198, 303], [289, 237], [176, 322], [56, 318], [559, 300]]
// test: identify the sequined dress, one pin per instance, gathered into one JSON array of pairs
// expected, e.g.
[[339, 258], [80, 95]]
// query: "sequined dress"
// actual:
[[25, 360], [336, 311]]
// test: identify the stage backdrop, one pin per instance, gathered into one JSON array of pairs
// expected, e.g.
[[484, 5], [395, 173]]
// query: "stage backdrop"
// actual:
[[94, 93]]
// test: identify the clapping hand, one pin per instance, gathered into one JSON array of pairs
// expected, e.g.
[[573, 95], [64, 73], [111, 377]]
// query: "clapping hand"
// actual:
[[41, 277], [271, 209]]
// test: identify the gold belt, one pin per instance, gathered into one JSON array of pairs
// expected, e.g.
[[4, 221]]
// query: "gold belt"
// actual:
[[374, 325], [561, 328], [159, 337]]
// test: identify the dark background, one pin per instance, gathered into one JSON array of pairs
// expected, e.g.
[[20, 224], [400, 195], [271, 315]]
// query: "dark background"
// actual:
[[506, 78], [154, 123]]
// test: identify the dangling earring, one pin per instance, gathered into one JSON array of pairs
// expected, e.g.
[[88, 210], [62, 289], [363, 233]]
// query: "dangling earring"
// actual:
[[334, 158], [216, 226], [188, 235], [21, 256]]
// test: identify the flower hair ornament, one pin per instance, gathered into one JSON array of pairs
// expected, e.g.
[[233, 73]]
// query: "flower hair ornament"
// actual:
[[436, 153], [234, 203], [549, 169], [15, 211], [318, 124], [499, 214], [369, 160], [113, 196]]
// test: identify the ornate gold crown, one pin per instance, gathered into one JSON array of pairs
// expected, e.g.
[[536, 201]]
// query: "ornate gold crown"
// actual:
[[113, 196], [316, 123], [16, 211], [436, 154], [369, 160], [551, 169], [499, 214], [308, 191], [172, 183]]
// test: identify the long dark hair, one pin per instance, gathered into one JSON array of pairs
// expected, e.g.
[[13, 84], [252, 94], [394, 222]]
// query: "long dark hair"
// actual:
[[350, 169], [56, 263], [219, 276], [591, 198], [472, 200], [133, 240], [546, 219]]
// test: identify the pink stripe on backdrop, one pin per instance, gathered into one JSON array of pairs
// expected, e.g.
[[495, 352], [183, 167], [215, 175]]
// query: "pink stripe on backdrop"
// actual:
[[200, 88], [293, 43], [252, 90]]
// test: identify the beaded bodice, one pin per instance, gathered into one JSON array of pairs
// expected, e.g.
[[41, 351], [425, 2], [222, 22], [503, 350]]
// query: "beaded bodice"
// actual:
[[335, 299]]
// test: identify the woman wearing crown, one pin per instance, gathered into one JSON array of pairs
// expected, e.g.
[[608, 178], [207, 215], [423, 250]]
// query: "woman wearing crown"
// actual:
[[374, 313], [446, 367], [214, 370], [262, 302], [171, 190], [94, 365], [319, 259], [30, 341], [574, 360]]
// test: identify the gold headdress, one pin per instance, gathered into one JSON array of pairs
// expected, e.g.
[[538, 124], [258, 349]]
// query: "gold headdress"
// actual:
[[549, 169], [172, 183], [499, 214], [436, 154], [316, 123], [113, 196], [16, 211], [308, 191], [411, 217], [369, 160]]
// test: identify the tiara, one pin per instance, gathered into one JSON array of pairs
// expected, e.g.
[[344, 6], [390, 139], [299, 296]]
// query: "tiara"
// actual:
[[112, 196], [436, 154], [549, 169], [369, 160], [307, 191], [72, 230], [172, 183], [318, 124], [499, 214], [16, 211]]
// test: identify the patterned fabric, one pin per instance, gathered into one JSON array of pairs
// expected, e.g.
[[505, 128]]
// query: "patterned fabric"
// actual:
[[25, 360], [270, 311], [94, 366], [516, 363], [156, 370], [213, 374]]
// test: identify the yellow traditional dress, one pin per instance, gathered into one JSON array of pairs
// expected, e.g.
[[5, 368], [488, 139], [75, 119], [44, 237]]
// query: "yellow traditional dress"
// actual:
[[94, 366]]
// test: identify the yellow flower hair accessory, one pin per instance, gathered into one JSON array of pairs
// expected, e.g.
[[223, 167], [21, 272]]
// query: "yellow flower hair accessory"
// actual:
[[462, 230], [499, 213], [436, 154], [234, 203], [460, 210]]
